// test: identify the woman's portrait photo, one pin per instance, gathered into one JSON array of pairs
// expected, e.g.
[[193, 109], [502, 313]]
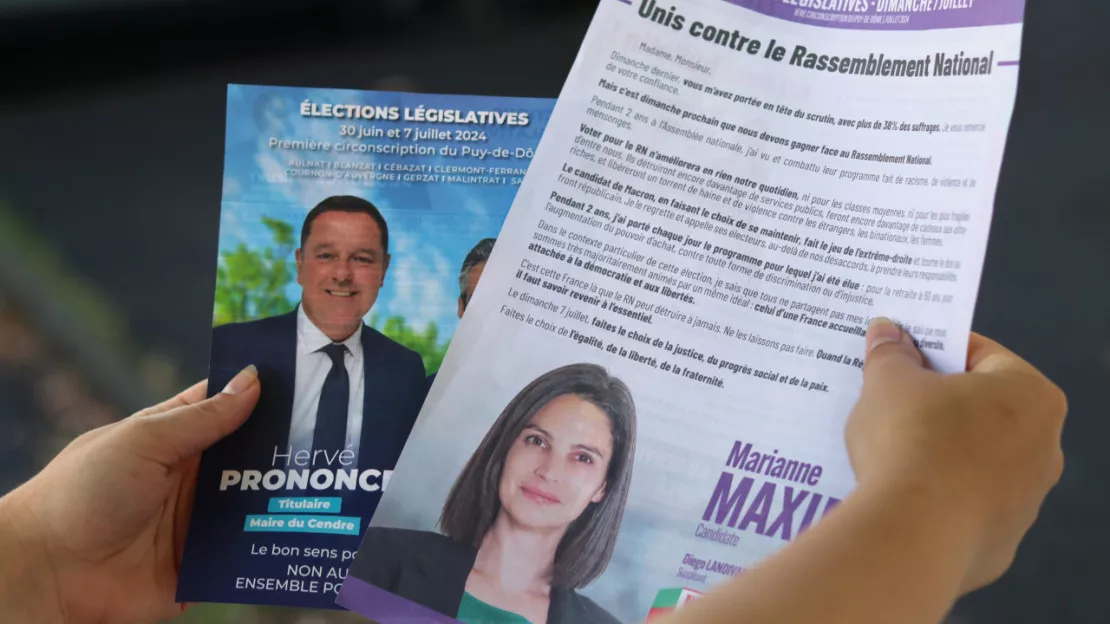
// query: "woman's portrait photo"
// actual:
[[533, 516]]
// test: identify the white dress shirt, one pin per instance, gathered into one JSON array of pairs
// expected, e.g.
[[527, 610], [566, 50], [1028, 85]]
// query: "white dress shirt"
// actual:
[[313, 366]]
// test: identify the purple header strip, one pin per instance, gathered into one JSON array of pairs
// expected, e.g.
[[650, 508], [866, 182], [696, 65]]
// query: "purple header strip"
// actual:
[[383, 607], [964, 14]]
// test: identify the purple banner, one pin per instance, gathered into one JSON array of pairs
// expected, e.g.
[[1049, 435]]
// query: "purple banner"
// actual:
[[361, 597], [885, 14]]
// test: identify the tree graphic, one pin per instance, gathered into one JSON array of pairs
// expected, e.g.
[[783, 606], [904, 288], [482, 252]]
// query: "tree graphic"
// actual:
[[250, 284], [426, 343]]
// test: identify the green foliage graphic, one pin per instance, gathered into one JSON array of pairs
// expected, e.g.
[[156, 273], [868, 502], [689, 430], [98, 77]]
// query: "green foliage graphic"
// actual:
[[250, 284], [425, 343]]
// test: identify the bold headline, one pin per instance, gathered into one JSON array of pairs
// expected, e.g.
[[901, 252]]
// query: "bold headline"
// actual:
[[419, 114], [308, 476], [938, 64], [368, 480], [763, 506]]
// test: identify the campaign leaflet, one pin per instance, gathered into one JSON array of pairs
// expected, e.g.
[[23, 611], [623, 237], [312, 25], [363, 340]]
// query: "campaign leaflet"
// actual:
[[353, 228], [648, 395]]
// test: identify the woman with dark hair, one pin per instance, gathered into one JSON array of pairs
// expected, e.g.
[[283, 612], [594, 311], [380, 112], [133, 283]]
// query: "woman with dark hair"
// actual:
[[534, 515]]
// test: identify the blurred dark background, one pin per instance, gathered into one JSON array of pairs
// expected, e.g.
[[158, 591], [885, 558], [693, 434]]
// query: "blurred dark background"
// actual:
[[111, 128]]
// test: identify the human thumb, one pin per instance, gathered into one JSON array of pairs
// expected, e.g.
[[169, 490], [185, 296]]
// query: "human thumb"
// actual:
[[891, 352], [185, 431]]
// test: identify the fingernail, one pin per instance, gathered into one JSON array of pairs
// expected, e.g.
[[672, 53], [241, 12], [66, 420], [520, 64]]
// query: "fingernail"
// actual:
[[242, 381], [880, 331]]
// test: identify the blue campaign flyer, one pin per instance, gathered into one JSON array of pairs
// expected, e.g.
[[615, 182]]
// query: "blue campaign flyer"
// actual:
[[354, 228]]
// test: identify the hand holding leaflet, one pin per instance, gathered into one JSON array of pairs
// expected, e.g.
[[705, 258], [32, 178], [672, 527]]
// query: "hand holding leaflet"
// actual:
[[726, 194], [346, 217], [97, 535], [952, 472]]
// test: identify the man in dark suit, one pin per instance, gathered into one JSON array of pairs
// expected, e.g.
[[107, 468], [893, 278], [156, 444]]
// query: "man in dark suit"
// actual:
[[469, 274], [336, 394], [330, 383]]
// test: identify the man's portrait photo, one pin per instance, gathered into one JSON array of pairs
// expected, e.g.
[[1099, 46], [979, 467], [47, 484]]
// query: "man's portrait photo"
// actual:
[[330, 383], [473, 265], [469, 274]]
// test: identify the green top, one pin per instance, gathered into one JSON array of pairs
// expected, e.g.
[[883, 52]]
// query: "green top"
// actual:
[[474, 611]]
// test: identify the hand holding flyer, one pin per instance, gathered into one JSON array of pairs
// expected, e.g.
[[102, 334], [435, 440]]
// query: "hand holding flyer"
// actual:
[[649, 392], [353, 230]]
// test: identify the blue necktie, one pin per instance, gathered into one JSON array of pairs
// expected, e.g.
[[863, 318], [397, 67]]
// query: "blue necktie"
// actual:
[[331, 416]]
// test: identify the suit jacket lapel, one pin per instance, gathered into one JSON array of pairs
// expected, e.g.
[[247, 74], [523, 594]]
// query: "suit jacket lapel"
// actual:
[[372, 371], [379, 400], [273, 348], [284, 348]]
